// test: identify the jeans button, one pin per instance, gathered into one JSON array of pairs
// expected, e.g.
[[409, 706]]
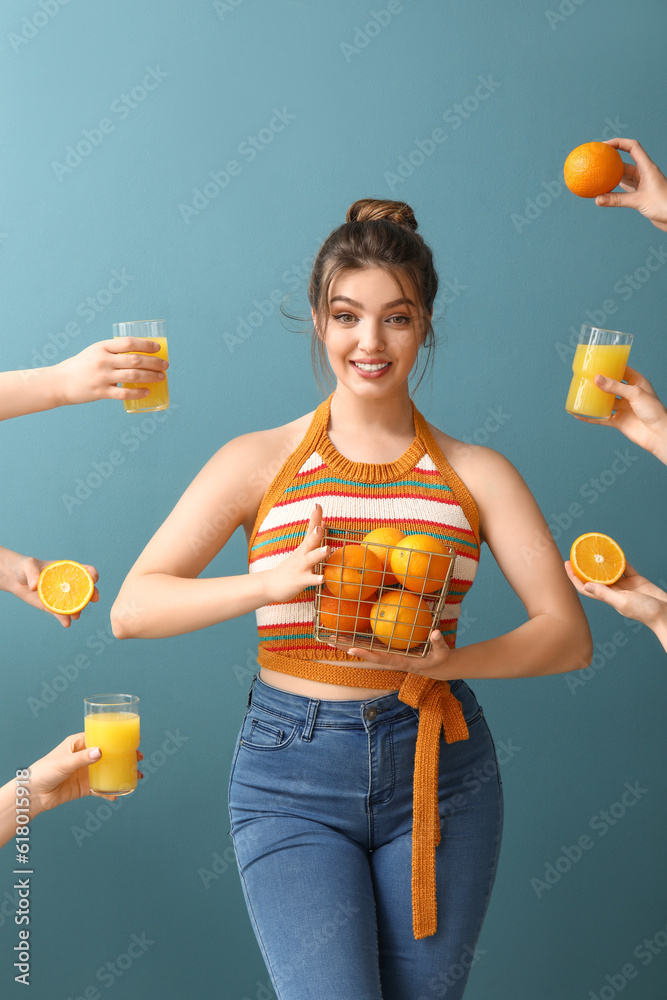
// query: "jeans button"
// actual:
[[371, 713]]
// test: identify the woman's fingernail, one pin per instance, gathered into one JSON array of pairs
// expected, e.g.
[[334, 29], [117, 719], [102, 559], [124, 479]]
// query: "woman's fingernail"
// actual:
[[94, 753], [436, 635], [590, 588]]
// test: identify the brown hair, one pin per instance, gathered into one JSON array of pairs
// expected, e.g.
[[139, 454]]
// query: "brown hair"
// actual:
[[376, 233]]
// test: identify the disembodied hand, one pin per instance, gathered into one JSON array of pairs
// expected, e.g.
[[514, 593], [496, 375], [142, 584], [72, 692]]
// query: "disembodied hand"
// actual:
[[26, 573], [645, 183], [92, 374], [58, 777], [633, 596], [639, 415]]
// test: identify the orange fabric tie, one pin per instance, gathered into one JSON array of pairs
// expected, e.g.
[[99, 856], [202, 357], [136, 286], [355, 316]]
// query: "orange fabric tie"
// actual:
[[437, 707]]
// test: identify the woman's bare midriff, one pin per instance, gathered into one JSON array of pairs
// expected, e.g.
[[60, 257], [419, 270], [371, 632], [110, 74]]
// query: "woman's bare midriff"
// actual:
[[316, 689]]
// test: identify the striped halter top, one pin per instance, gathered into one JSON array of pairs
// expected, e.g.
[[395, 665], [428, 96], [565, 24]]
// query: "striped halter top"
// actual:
[[418, 493]]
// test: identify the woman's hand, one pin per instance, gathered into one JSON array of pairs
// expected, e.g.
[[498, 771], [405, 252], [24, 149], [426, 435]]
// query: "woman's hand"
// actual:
[[639, 413], [645, 182], [26, 575], [62, 775], [295, 573], [92, 374], [633, 596], [438, 663]]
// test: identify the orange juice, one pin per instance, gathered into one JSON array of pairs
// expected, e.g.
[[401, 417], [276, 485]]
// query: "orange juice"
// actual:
[[584, 398], [117, 736], [158, 397]]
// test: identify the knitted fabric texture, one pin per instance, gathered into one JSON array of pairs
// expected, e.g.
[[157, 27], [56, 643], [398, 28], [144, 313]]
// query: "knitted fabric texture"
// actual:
[[418, 493]]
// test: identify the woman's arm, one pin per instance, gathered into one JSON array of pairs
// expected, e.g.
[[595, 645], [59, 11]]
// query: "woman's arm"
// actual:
[[161, 595], [89, 375], [556, 638]]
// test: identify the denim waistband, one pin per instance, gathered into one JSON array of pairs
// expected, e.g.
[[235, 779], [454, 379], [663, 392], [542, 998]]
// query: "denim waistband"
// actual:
[[302, 708]]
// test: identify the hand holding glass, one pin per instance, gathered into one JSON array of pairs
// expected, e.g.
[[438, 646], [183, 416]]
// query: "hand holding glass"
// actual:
[[112, 724], [598, 352], [158, 397]]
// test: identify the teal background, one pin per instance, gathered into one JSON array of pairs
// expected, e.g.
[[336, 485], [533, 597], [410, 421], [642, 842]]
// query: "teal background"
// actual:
[[520, 286]]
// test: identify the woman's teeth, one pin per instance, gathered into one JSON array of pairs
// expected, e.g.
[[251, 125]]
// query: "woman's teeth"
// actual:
[[370, 368]]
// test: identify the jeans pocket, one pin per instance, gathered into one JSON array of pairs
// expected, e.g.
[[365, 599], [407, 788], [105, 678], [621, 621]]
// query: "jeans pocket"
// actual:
[[265, 732]]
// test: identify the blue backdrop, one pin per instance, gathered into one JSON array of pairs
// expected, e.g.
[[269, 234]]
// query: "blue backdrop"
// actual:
[[186, 160]]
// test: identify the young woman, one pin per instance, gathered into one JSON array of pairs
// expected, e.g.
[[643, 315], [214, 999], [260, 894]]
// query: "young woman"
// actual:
[[367, 845]]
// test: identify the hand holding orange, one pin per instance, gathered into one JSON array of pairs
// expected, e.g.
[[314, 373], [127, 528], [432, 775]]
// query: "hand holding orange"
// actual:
[[593, 168]]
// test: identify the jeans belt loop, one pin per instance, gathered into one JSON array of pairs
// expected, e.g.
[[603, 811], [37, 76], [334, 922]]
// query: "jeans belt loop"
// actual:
[[254, 678], [311, 715]]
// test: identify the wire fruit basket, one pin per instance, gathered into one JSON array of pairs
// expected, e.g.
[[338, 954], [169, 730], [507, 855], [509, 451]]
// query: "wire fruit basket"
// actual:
[[381, 596]]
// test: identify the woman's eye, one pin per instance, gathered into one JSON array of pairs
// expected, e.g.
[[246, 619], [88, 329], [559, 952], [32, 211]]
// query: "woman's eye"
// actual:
[[346, 317]]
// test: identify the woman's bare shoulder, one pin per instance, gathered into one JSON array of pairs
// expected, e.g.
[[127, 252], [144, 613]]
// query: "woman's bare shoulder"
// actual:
[[256, 458], [487, 474]]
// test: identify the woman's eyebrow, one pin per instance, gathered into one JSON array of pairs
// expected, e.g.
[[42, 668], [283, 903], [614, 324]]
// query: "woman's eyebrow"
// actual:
[[388, 305]]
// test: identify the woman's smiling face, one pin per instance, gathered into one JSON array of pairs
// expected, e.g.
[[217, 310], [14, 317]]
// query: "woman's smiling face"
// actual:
[[373, 334]]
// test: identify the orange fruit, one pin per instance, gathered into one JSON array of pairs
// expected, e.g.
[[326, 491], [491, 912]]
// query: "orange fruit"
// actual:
[[65, 587], [377, 541], [400, 619], [353, 572], [421, 571], [597, 558], [592, 169], [344, 616]]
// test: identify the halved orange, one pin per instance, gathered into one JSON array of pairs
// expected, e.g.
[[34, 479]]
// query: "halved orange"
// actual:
[[378, 541], [65, 587], [400, 619], [597, 558]]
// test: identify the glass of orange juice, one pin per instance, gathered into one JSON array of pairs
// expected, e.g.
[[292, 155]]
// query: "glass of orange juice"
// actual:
[[112, 724], [598, 352], [158, 397]]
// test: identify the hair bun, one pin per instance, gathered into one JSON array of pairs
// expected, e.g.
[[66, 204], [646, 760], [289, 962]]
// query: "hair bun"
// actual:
[[376, 208]]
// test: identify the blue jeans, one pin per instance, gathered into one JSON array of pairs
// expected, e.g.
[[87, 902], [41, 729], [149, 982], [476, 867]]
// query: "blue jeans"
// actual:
[[320, 808]]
